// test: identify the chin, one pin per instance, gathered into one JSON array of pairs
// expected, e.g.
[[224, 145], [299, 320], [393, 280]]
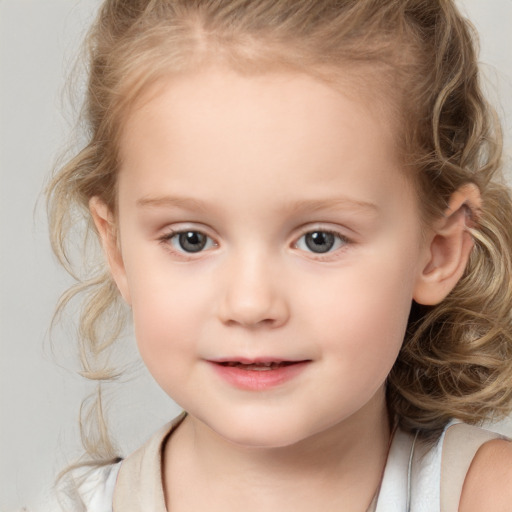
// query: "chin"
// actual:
[[263, 433], [263, 440]]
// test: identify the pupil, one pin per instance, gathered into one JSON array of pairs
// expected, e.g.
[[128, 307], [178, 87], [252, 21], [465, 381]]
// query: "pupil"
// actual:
[[320, 241], [192, 241]]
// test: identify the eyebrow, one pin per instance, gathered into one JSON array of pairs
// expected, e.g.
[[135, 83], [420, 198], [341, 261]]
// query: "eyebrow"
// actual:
[[338, 203], [303, 205], [186, 203]]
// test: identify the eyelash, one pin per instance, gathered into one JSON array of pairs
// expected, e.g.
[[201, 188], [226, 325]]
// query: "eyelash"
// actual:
[[339, 241]]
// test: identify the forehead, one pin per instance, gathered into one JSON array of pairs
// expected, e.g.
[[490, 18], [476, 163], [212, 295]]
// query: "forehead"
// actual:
[[278, 128], [221, 95]]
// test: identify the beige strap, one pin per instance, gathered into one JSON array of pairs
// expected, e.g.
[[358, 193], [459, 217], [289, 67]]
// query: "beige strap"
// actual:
[[373, 504], [139, 485], [460, 445]]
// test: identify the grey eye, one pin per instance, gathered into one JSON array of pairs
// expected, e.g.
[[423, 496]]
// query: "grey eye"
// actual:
[[320, 242], [189, 241]]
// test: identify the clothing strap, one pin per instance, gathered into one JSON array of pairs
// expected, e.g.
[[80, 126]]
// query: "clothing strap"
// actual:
[[460, 445], [139, 482]]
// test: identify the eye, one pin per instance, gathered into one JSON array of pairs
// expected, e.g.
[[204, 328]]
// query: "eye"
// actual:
[[189, 241], [321, 242]]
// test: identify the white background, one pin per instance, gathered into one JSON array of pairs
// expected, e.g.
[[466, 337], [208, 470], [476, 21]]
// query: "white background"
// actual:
[[39, 399]]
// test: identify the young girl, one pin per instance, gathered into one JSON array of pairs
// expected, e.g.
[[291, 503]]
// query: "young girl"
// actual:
[[300, 202]]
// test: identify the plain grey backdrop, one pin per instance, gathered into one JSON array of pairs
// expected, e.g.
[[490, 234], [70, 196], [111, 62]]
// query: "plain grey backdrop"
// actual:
[[39, 399]]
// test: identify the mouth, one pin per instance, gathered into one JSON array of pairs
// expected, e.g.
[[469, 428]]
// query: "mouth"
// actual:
[[258, 367], [258, 374]]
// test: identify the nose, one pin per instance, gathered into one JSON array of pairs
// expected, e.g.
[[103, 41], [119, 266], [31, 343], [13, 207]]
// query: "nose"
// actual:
[[254, 294]]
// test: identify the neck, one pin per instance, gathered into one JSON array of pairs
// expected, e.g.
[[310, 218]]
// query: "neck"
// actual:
[[342, 465]]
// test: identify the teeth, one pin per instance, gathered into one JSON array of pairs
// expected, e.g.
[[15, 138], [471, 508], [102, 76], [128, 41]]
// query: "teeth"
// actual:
[[256, 366], [262, 366]]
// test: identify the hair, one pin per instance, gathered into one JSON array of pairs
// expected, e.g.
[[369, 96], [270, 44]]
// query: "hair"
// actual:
[[456, 359]]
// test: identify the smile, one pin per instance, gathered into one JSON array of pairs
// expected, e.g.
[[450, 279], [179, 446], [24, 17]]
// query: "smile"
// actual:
[[258, 375], [258, 367]]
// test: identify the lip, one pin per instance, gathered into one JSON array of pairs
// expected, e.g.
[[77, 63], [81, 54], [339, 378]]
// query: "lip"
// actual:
[[252, 379]]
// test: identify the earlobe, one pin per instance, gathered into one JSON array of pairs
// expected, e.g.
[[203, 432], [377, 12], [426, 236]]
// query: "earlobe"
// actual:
[[449, 247], [105, 225]]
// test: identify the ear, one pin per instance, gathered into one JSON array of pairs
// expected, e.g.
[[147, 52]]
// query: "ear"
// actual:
[[448, 247], [104, 222]]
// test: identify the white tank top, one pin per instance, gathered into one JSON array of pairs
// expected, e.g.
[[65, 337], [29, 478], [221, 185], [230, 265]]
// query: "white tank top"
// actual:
[[413, 469]]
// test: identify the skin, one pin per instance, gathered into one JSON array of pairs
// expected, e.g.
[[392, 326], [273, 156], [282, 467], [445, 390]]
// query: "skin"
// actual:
[[255, 164], [487, 484]]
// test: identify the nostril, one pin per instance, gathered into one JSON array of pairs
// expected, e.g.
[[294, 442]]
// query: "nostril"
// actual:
[[254, 322]]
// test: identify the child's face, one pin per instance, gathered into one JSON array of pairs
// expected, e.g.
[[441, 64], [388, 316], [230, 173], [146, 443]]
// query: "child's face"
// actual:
[[266, 219]]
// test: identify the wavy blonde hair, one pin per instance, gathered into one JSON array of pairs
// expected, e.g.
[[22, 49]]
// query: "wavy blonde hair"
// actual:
[[456, 359]]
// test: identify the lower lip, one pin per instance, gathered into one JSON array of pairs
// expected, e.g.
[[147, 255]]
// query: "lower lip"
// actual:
[[259, 380]]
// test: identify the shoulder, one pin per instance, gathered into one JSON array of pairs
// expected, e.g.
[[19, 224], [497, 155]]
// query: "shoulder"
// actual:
[[488, 483]]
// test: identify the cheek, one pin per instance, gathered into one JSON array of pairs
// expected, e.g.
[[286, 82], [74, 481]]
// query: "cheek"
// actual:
[[363, 315], [164, 336], [166, 306], [171, 304]]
